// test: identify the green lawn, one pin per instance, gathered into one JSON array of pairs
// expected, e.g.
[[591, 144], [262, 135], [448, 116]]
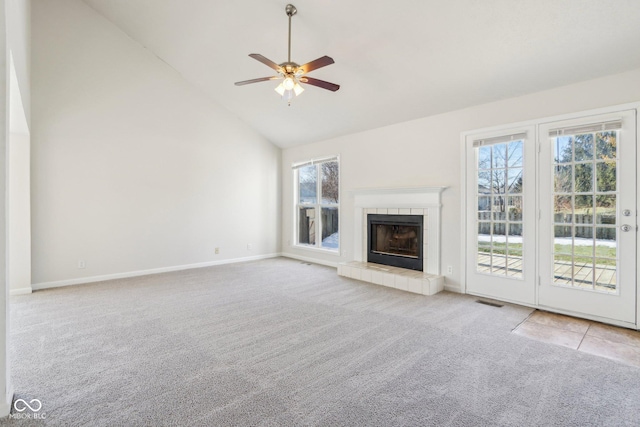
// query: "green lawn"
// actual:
[[562, 252]]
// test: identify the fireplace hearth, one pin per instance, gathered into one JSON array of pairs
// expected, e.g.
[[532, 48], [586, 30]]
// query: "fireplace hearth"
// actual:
[[395, 240]]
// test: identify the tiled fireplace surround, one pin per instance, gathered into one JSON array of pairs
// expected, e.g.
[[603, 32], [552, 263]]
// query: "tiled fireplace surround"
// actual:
[[423, 201]]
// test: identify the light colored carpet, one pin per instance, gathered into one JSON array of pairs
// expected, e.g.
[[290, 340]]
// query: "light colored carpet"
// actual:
[[280, 342]]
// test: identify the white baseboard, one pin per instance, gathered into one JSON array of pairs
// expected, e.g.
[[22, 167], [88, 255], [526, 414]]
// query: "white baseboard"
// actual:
[[452, 288], [20, 291], [5, 404], [311, 260], [92, 279]]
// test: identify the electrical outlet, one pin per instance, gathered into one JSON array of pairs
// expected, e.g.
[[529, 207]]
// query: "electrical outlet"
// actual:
[[217, 251], [449, 269], [249, 246], [82, 264]]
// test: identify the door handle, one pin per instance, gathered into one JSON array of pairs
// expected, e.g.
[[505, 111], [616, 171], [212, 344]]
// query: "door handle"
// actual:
[[625, 227]]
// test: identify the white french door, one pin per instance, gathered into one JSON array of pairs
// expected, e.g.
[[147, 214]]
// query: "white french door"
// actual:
[[551, 215], [501, 219], [588, 216]]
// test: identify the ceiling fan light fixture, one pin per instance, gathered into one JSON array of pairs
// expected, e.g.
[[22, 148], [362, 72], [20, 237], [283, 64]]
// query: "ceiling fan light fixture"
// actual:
[[280, 89], [298, 89], [288, 83]]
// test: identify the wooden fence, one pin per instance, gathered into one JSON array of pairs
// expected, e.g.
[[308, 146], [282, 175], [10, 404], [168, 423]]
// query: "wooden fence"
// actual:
[[307, 228], [605, 225]]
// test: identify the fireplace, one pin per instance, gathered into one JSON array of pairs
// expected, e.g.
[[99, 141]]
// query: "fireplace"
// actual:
[[395, 240], [420, 201], [420, 236]]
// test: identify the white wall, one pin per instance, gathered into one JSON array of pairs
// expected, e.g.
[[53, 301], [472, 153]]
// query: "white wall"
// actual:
[[132, 169], [5, 374], [18, 191], [19, 28], [377, 158], [14, 71], [19, 216]]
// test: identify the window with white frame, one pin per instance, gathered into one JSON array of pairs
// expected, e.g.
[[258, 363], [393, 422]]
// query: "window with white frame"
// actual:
[[317, 201]]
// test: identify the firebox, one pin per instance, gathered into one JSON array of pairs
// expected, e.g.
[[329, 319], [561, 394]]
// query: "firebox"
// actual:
[[395, 240]]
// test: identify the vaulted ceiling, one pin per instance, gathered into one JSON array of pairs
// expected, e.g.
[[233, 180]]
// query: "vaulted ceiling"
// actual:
[[395, 61]]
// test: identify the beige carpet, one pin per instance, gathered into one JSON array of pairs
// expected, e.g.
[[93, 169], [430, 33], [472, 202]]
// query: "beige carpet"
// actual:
[[279, 342]]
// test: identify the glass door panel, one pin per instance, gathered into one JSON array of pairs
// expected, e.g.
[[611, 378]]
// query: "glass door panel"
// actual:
[[499, 209], [583, 213]]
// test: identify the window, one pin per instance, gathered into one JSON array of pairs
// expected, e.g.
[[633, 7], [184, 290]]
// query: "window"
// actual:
[[317, 200]]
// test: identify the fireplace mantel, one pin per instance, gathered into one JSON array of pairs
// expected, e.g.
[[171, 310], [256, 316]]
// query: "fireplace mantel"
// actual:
[[402, 200], [398, 197]]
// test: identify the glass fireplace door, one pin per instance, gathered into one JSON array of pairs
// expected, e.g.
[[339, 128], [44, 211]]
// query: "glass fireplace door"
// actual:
[[396, 240]]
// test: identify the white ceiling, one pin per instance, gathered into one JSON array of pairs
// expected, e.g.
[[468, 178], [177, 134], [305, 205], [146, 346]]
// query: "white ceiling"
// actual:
[[395, 60]]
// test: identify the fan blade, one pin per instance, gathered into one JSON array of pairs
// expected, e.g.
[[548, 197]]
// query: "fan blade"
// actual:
[[315, 64], [320, 83], [261, 79], [266, 61]]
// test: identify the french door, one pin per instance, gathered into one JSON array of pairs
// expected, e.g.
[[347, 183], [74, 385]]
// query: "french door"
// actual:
[[588, 216], [501, 219], [551, 217]]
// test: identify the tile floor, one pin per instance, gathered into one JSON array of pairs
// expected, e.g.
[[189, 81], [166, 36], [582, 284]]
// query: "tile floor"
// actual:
[[595, 338]]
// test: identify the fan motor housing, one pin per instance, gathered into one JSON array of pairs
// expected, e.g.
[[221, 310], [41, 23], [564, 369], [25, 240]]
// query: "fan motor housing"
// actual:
[[289, 67]]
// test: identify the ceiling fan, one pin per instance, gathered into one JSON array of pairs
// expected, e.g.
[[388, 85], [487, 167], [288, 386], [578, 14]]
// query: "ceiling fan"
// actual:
[[291, 73]]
